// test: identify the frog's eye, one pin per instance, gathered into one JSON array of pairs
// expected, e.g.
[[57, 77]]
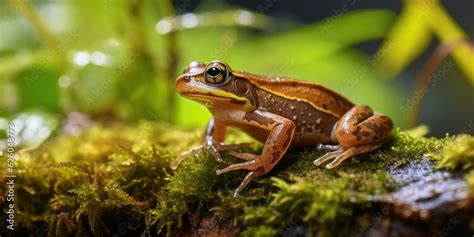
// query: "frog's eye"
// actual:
[[216, 74]]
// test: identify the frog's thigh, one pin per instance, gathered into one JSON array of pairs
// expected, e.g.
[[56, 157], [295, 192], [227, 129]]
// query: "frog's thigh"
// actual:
[[360, 126]]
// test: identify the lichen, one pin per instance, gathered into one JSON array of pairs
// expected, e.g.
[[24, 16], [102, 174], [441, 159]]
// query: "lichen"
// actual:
[[116, 179]]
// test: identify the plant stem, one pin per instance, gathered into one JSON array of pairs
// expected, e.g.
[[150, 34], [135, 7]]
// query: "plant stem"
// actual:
[[171, 39], [443, 25], [19, 61], [424, 78], [25, 8]]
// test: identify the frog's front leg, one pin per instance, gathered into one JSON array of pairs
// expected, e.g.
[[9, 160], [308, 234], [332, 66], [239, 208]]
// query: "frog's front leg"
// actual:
[[358, 131], [213, 139], [280, 136]]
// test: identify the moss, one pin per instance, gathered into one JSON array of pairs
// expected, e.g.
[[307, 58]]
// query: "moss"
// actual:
[[100, 181], [304, 200], [457, 153]]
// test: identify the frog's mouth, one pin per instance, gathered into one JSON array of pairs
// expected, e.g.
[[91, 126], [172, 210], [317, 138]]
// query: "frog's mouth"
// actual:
[[210, 97]]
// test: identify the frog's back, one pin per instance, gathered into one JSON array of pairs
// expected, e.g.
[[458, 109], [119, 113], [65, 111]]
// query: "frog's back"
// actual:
[[315, 94]]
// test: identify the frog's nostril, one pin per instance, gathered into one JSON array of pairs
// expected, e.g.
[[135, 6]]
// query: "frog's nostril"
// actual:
[[187, 78]]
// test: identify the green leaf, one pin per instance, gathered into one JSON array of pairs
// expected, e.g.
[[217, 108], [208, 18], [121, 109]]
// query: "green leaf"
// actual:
[[408, 39]]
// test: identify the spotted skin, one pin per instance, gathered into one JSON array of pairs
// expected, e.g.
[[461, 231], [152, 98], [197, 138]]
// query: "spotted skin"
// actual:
[[312, 125]]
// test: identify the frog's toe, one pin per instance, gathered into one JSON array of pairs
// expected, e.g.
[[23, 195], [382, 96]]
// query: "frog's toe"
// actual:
[[327, 156], [175, 163], [352, 151], [248, 165], [339, 159], [250, 176], [215, 152]]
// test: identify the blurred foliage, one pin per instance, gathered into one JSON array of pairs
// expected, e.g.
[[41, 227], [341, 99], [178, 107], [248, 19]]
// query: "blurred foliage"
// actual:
[[85, 184], [418, 23]]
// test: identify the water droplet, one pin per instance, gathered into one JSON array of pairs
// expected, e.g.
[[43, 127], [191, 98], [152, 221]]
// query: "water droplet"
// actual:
[[164, 26], [44, 133], [64, 81], [189, 20], [81, 58], [245, 17], [98, 58]]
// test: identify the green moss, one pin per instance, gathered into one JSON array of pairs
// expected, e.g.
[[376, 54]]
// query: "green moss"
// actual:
[[107, 176], [457, 153], [304, 200]]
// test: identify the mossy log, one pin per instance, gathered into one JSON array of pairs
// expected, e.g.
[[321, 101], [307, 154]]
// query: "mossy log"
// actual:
[[116, 181]]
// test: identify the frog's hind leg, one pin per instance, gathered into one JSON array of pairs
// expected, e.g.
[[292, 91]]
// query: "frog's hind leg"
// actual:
[[358, 131]]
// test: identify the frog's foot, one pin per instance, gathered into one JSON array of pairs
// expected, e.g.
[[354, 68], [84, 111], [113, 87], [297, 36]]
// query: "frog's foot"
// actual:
[[255, 168], [250, 176], [327, 156], [214, 148], [175, 163], [343, 154]]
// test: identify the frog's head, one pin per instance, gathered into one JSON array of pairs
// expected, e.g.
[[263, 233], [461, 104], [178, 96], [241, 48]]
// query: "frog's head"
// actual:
[[214, 85]]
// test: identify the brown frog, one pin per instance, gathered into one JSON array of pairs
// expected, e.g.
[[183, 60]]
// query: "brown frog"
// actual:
[[280, 112]]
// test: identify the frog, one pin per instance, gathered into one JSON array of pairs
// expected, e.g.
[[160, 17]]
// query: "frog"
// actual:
[[282, 113]]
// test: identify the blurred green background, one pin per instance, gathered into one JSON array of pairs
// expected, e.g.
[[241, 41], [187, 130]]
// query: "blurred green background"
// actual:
[[66, 64]]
